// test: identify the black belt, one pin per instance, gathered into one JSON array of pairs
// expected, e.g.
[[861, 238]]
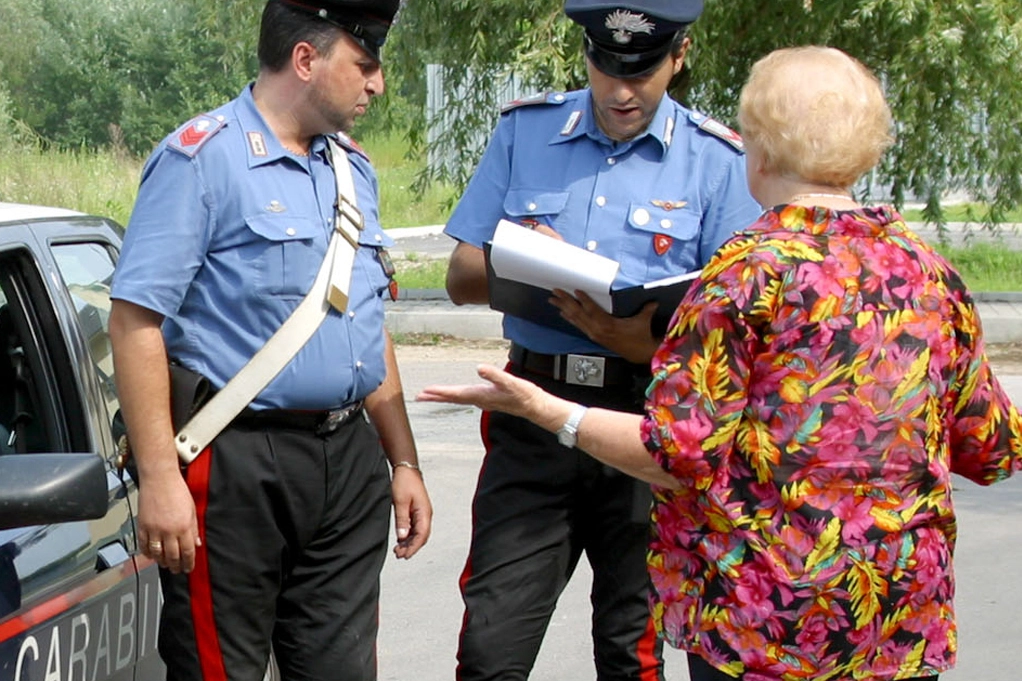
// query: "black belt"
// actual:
[[318, 422], [597, 371]]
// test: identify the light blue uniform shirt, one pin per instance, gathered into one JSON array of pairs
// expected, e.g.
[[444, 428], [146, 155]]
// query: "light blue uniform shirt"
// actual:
[[226, 237], [659, 204]]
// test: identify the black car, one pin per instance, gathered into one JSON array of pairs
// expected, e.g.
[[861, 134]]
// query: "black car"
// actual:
[[77, 600]]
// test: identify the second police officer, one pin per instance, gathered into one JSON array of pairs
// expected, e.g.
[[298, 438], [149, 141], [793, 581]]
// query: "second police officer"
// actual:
[[622, 170]]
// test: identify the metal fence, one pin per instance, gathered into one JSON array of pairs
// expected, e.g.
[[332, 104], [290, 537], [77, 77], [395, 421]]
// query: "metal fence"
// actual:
[[442, 110]]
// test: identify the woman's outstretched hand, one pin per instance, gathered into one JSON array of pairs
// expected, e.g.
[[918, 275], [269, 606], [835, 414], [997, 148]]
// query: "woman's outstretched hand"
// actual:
[[501, 392]]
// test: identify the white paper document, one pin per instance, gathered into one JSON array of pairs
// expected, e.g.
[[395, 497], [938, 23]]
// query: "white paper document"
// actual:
[[668, 281], [522, 255]]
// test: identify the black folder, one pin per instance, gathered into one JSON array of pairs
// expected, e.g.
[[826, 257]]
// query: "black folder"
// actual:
[[532, 302]]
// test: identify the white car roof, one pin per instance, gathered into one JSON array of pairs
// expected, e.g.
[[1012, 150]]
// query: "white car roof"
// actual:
[[13, 212]]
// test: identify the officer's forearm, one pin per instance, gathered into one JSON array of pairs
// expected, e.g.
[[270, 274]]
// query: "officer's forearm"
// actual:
[[466, 276], [143, 385], [386, 409]]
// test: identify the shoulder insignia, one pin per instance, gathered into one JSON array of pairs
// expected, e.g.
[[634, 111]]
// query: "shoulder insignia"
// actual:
[[538, 98], [351, 145], [191, 137], [718, 129]]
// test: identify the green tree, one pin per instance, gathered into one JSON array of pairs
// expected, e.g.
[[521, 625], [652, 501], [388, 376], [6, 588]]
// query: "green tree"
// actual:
[[950, 68]]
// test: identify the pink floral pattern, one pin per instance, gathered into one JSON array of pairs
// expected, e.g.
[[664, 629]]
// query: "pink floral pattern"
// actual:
[[818, 386]]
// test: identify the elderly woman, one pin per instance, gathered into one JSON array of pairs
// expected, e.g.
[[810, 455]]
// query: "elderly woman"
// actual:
[[817, 389]]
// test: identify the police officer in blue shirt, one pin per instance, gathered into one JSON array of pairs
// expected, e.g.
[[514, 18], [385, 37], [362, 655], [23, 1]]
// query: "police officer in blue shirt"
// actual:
[[624, 171], [276, 534]]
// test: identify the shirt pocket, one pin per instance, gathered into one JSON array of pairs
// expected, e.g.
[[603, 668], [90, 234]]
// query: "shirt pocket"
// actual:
[[288, 251], [535, 205], [664, 243], [371, 242]]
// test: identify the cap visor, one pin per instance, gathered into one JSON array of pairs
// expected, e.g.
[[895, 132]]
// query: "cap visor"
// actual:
[[618, 65]]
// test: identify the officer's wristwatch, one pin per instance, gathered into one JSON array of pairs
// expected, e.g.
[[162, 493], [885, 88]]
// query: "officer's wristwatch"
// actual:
[[567, 434]]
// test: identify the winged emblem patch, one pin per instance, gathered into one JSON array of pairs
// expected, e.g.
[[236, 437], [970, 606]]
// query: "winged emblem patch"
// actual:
[[624, 24]]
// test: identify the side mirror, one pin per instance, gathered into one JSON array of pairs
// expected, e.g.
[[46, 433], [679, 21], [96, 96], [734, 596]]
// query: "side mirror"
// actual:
[[40, 489]]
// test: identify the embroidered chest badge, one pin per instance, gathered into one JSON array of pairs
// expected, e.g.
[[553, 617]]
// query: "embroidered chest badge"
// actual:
[[662, 244], [624, 24], [669, 205]]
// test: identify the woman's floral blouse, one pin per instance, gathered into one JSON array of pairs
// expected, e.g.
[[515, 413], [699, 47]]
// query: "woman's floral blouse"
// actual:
[[818, 387]]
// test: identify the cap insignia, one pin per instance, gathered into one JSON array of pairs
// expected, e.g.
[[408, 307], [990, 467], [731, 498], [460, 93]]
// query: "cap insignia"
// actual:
[[624, 24]]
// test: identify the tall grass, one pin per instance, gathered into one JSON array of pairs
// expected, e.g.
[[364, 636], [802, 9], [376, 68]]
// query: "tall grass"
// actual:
[[106, 183], [399, 206], [101, 183]]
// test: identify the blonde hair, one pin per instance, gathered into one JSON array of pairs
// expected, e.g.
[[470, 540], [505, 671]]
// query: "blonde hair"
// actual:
[[816, 114]]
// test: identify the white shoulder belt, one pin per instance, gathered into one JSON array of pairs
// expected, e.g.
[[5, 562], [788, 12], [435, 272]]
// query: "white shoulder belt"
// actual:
[[329, 290]]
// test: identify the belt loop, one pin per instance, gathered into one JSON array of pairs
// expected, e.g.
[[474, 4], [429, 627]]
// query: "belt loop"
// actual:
[[558, 368]]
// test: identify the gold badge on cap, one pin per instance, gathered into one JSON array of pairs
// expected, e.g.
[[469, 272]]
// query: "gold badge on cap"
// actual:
[[625, 24]]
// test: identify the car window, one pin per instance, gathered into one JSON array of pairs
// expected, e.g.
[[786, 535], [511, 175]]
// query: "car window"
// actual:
[[87, 269], [26, 417]]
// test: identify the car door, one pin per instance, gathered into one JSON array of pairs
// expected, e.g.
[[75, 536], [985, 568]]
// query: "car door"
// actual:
[[75, 602]]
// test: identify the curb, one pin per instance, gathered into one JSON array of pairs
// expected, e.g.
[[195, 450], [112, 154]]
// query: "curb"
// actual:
[[428, 311]]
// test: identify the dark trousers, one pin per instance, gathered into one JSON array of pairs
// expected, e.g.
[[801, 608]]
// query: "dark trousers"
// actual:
[[538, 507], [700, 670], [294, 531]]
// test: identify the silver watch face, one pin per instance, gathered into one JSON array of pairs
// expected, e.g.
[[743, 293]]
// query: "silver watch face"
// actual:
[[566, 437]]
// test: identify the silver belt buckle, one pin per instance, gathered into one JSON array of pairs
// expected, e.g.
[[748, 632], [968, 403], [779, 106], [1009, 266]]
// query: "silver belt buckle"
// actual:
[[585, 370], [336, 418]]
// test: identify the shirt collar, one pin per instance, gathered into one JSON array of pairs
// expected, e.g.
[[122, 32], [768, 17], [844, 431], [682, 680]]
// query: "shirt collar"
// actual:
[[261, 144], [580, 121]]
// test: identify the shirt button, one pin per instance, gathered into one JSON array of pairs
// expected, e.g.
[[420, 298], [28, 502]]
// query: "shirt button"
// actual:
[[666, 224], [590, 245], [611, 161], [601, 201], [558, 98], [351, 314], [358, 365], [379, 238], [291, 231], [532, 207], [641, 216], [220, 119]]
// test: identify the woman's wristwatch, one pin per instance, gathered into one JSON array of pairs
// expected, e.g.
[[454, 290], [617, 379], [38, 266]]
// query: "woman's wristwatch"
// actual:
[[567, 434]]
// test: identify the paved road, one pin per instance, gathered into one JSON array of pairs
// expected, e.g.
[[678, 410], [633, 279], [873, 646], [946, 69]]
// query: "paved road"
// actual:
[[421, 608]]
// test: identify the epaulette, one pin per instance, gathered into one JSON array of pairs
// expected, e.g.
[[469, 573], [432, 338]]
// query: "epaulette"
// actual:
[[191, 136], [345, 141], [717, 129], [538, 98]]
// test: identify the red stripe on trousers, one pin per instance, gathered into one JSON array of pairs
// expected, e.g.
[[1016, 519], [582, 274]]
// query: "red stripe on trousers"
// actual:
[[466, 573], [645, 650], [207, 642]]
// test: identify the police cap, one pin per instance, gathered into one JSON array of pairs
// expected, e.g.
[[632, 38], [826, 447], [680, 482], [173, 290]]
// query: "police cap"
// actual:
[[630, 38], [366, 21]]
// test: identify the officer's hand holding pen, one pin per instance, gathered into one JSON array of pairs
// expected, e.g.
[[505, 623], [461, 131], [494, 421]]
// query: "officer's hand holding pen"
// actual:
[[629, 337]]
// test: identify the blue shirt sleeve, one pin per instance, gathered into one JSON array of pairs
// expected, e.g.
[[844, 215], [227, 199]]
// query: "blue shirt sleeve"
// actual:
[[731, 208], [482, 205], [167, 236]]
